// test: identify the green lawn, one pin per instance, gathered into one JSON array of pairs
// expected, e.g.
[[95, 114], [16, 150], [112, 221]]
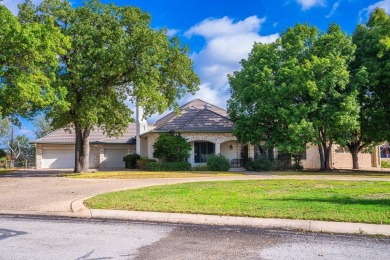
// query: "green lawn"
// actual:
[[6, 171], [147, 174], [349, 201]]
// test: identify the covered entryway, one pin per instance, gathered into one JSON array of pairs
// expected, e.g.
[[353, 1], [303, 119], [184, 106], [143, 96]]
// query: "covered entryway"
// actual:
[[113, 157]]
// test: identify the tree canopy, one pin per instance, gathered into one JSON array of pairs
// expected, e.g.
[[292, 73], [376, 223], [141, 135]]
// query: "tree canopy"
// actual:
[[294, 92], [28, 60], [115, 56]]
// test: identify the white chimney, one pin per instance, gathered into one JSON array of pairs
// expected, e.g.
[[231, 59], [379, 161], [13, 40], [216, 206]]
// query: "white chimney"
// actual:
[[140, 127]]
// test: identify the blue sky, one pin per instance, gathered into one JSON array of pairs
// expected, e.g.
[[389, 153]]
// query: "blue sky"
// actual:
[[220, 33]]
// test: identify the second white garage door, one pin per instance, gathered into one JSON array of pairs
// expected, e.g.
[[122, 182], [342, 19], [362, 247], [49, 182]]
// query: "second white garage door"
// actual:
[[114, 157]]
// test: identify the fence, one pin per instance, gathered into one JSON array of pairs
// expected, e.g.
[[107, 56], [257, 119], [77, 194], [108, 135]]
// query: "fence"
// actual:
[[26, 164]]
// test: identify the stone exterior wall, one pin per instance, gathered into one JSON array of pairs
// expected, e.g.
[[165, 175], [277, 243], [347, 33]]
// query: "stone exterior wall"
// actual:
[[344, 160], [312, 160], [339, 159]]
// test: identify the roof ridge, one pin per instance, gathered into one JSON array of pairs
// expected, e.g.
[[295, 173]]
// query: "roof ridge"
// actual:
[[190, 119], [217, 114]]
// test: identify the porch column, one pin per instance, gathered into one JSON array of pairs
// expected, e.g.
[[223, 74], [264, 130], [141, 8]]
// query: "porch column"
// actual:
[[38, 156], [251, 151], [217, 148], [239, 147], [192, 156], [101, 157]]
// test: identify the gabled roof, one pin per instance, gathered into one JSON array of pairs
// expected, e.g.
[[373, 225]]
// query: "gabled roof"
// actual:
[[196, 116], [97, 136]]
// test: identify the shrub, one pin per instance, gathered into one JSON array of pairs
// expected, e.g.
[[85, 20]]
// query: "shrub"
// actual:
[[168, 166], [201, 167], [259, 164], [143, 162], [218, 163], [131, 160], [385, 164], [171, 148], [3, 154]]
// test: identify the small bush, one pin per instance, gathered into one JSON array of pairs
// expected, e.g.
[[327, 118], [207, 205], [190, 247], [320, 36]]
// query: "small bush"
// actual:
[[168, 166], [131, 160], [201, 167], [385, 164], [143, 162], [218, 163], [3, 154], [259, 164]]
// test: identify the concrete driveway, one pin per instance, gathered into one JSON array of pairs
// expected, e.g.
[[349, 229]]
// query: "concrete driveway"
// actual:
[[45, 192]]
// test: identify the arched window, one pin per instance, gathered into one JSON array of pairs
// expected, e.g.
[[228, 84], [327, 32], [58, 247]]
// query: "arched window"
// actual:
[[385, 151], [202, 151]]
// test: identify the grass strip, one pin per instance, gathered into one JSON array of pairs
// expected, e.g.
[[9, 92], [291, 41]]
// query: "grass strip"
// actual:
[[347, 201], [147, 174]]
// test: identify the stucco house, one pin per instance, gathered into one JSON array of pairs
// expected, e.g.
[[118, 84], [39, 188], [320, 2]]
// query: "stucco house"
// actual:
[[206, 127]]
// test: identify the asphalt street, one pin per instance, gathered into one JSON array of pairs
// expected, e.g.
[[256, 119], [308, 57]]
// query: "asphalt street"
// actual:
[[63, 238]]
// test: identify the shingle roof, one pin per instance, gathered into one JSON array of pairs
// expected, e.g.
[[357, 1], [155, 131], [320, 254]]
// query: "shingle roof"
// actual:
[[196, 116], [97, 136]]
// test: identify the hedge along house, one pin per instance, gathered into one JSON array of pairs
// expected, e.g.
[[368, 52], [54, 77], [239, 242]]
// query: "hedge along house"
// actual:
[[206, 127]]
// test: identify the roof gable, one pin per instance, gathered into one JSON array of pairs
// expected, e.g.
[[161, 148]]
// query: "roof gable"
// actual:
[[196, 116]]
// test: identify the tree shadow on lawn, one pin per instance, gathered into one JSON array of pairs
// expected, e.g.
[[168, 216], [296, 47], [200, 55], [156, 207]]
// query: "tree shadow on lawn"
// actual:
[[342, 201]]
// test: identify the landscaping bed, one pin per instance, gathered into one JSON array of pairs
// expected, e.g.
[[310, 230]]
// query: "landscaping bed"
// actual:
[[348, 201]]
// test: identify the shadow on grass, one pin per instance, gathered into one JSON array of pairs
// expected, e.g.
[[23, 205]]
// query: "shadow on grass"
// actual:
[[341, 201]]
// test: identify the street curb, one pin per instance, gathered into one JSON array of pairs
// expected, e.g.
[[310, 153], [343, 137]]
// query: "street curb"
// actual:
[[288, 224], [179, 218]]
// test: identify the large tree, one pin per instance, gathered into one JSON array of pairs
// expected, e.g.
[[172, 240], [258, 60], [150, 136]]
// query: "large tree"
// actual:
[[373, 54], [371, 78], [293, 92], [115, 56], [43, 126], [28, 60]]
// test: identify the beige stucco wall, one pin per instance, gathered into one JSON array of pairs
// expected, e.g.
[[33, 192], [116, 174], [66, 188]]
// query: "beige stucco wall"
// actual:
[[225, 150]]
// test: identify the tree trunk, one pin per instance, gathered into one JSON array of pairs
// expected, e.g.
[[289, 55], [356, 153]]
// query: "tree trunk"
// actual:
[[354, 149], [82, 149], [322, 159], [327, 151]]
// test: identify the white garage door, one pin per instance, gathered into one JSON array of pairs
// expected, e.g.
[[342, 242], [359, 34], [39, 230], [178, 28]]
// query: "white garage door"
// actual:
[[57, 158], [114, 157], [61, 158]]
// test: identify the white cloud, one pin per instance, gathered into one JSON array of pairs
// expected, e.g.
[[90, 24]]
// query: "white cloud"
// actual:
[[211, 28], [307, 4], [385, 4], [171, 32], [227, 43], [334, 8], [12, 5], [365, 13]]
